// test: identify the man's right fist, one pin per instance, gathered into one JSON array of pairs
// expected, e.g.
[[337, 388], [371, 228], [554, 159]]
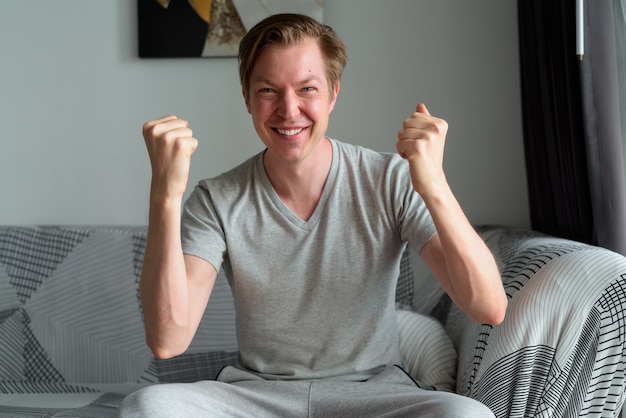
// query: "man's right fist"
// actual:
[[170, 144]]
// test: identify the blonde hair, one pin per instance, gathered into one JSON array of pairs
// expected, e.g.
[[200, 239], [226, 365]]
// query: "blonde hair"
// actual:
[[291, 29]]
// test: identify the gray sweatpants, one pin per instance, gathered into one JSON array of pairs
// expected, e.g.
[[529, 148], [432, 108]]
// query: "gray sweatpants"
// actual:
[[236, 393]]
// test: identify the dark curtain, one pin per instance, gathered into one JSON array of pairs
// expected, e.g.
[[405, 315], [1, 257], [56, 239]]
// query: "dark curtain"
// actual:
[[572, 135], [552, 119], [603, 124]]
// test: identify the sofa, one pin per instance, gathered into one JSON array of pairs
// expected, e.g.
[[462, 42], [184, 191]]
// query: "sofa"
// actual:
[[72, 341]]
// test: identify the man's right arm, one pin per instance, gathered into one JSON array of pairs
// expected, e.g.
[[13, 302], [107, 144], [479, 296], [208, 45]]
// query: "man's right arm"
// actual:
[[174, 287]]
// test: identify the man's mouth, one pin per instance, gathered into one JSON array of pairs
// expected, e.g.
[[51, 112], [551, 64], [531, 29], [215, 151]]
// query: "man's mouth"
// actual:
[[289, 132]]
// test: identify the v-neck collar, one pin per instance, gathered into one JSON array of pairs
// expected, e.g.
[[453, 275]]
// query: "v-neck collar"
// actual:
[[284, 210]]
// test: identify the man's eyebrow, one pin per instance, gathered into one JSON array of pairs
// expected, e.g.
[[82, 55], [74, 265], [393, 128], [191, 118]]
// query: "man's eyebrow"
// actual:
[[309, 79], [266, 80], [260, 80]]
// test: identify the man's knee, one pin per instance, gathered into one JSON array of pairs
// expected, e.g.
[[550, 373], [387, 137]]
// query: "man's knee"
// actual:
[[472, 409], [136, 404], [151, 401], [452, 405], [200, 399]]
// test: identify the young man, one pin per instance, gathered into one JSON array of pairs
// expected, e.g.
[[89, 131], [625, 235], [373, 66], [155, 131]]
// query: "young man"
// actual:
[[310, 233]]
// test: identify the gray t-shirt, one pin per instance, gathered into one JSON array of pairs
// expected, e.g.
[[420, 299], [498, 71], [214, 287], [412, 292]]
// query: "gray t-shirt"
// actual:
[[314, 299]]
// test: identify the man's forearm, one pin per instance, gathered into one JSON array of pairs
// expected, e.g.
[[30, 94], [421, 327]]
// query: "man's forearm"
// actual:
[[164, 289], [472, 276]]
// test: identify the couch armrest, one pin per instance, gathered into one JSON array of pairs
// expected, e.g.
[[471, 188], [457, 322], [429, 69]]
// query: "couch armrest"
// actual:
[[560, 350]]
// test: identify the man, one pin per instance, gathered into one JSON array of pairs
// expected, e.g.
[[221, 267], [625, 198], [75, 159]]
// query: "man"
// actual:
[[310, 233]]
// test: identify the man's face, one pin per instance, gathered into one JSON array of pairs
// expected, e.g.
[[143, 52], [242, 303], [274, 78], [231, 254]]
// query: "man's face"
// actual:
[[290, 100]]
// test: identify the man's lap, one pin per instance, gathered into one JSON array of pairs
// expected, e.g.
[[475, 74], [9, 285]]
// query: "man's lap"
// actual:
[[392, 393]]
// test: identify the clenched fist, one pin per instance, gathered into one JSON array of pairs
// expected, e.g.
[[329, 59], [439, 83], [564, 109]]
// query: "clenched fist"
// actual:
[[170, 144], [421, 141]]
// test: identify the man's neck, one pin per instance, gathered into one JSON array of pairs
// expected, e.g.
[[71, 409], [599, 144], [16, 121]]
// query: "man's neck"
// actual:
[[300, 185]]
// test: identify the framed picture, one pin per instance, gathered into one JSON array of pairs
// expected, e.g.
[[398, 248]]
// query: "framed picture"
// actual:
[[207, 28]]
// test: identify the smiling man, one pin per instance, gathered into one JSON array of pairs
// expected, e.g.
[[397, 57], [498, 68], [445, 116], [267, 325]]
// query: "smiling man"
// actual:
[[310, 233], [290, 102]]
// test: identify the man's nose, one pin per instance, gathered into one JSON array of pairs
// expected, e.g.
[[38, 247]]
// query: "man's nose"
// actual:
[[289, 105]]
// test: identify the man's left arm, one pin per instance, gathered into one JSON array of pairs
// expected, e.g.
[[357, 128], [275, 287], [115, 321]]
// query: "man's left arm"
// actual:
[[456, 254]]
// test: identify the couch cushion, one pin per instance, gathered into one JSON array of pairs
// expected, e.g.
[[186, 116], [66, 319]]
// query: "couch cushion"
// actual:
[[77, 316], [70, 309], [428, 352]]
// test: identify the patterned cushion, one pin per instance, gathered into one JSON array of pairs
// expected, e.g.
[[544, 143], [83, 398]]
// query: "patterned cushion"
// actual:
[[427, 350], [70, 311]]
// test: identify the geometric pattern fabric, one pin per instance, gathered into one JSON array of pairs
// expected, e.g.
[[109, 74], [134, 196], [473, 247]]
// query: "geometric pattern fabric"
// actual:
[[70, 314], [561, 350], [30, 255], [63, 294]]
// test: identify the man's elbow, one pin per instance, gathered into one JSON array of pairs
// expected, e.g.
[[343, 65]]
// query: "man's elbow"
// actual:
[[163, 354], [165, 351], [496, 314]]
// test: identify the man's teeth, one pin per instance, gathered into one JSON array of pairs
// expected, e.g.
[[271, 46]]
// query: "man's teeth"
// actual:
[[289, 132]]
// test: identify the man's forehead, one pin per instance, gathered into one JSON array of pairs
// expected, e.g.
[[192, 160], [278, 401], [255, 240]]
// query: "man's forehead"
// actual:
[[275, 62]]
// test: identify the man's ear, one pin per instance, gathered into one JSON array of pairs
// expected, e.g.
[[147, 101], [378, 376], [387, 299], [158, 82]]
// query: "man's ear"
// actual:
[[335, 93], [245, 99]]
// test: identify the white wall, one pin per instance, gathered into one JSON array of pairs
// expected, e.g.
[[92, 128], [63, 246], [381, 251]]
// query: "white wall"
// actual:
[[461, 59], [73, 96]]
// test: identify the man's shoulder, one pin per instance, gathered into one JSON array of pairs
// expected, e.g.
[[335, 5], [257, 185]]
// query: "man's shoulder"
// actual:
[[360, 155], [234, 177]]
